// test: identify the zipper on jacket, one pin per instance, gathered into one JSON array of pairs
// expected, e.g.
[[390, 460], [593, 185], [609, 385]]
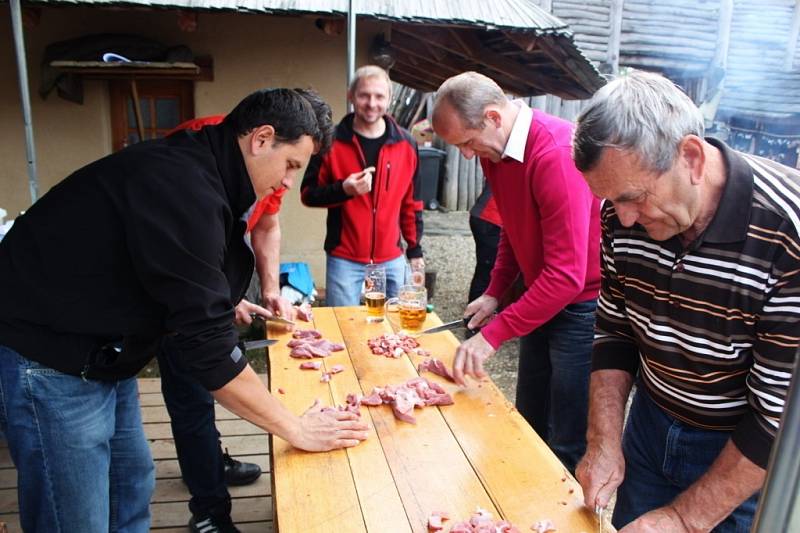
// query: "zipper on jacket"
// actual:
[[388, 174]]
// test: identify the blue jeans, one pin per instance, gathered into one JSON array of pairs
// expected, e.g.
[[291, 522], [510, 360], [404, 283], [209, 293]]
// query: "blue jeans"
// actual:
[[663, 456], [344, 278], [191, 414], [83, 462], [553, 380]]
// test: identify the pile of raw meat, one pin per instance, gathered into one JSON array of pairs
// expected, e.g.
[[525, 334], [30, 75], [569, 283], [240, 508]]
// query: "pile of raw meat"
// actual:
[[395, 345], [403, 398], [308, 343], [480, 522]]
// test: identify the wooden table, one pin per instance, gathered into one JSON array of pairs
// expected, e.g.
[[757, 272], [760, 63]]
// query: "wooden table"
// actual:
[[479, 452]]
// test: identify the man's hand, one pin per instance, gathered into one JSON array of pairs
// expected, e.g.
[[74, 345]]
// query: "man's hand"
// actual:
[[243, 310], [470, 357], [320, 431], [417, 271], [279, 305], [481, 309], [358, 183], [657, 521], [600, 472]]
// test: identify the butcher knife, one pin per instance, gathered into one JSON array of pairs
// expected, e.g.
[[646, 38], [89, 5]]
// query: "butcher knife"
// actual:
[[455, 324], [262, 343], [272, 319]]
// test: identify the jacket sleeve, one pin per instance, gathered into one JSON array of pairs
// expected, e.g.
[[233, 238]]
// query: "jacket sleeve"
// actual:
[[411, 209], [320, 187], [177, 243], [565, 207]]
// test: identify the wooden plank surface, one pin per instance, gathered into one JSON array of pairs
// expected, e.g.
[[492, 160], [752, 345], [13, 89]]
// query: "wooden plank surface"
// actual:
[[312, 492], [525, 479], [380, 502], [427, 463]]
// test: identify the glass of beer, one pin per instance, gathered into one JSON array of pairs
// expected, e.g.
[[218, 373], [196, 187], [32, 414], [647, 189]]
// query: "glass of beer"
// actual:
[[375, 291], [411, 306]]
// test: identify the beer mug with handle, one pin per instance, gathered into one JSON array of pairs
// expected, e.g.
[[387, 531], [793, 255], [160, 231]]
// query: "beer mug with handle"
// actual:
[[374, 291], [411, 307]]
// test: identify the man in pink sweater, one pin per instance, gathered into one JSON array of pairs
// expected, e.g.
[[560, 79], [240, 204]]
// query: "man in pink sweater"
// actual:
[[550, 236]]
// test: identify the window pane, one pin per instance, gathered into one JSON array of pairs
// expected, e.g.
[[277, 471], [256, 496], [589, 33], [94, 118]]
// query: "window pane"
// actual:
[[145, 107], [167, 113]]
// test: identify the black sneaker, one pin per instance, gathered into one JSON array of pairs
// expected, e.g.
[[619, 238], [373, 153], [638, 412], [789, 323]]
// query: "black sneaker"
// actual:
[[239, 473], [207, 524]]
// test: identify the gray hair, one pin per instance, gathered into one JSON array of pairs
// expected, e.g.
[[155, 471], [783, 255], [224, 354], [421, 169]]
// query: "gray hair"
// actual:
[[468, 94], [369, 71], [642, 113]]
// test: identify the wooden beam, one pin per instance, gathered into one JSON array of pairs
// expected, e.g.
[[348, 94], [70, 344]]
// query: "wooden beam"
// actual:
[[461, 60], [615, 18], [791, 46], [407, 75], [525, 41], [567, 64], [723, 33], [412, 47]]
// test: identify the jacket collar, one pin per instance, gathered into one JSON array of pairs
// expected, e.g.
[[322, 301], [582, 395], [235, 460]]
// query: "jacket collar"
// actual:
[[732, 217], [345, 131], [230, 163]]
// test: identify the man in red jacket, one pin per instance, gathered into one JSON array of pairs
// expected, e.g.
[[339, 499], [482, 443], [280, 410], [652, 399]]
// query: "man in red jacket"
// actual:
[[369, 183], [551, 236]]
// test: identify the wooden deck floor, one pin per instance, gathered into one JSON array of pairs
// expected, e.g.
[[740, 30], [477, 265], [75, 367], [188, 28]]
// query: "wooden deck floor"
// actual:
[[252, 504]]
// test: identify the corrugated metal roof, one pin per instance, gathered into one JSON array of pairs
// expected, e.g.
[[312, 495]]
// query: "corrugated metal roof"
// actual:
[[495, 14]]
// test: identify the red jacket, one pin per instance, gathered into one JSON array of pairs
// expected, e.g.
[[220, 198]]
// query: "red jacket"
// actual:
[[367, 228]]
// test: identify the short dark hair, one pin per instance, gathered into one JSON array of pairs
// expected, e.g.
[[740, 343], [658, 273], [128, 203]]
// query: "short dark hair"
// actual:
[[325, 126], [286, 110]]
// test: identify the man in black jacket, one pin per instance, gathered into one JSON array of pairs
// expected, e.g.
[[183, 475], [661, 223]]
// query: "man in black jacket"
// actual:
[[139, 251]]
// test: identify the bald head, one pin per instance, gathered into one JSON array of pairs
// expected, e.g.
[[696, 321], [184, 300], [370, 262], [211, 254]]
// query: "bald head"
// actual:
[[468, 95]]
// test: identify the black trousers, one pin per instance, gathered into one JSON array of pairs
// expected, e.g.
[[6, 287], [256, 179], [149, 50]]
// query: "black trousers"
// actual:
[[191, 414], [487, 237]]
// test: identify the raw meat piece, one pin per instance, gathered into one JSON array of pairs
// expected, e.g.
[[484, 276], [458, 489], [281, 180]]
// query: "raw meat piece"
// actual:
[[393, 345], [311, 365], [373, 399], [281, 391], [482, 522], [310, 348], [326, 377], [403, 398], [437, 367], [542, 526], [335, 369], [304, 312], [435, 520], [306, 334]]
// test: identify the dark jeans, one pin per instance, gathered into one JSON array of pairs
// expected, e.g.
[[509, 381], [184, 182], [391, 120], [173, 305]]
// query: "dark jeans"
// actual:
[[191, 413], [553, 380], [663, 456], [486, 236]]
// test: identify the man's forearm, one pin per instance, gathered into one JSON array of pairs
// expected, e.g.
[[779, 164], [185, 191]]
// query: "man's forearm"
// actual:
[[730, 480], [246, 396], [266, 239], [608, 394]]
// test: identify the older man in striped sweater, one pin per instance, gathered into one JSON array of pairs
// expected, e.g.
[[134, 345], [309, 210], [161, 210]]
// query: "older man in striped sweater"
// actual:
[[699, 304]]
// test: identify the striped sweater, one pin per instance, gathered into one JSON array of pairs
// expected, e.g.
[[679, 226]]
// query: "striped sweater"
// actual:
[[712, 330]]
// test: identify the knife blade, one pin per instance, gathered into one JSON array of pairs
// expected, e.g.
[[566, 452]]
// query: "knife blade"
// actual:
[[273, 319], [455, 324], [262, 343]]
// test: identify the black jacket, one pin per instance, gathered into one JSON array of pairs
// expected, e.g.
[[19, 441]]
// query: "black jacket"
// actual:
[[143, 247]]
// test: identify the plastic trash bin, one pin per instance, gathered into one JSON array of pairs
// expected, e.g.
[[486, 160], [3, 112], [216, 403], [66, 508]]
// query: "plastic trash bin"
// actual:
[[430, 165]]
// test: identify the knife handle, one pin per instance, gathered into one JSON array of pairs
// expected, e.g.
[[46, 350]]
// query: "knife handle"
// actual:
[[470, 331]]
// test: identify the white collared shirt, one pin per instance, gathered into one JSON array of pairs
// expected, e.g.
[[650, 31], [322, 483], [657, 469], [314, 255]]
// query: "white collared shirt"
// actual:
[[515, 146]]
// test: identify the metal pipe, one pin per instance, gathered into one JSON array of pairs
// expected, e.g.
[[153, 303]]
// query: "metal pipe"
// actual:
[[779, 497], [351, 42], [22, 69]]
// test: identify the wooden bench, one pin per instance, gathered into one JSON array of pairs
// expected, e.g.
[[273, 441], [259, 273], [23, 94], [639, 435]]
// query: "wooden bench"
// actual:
[[478, 453]]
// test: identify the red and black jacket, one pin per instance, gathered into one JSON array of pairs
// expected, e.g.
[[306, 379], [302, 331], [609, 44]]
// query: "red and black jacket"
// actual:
[[367, 228]]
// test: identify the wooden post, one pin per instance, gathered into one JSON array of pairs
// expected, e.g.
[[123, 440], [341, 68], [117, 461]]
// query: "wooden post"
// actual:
[[615, 20], [137, 110], [471, 183], [791, 46], [462, 183], [450, 186], [724, 33]]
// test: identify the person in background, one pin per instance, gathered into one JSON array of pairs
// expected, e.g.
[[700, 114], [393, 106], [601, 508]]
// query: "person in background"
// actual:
[[699, 305], [205, 468], [140, 251], [369, 182], [485, 224], [551, 235]]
